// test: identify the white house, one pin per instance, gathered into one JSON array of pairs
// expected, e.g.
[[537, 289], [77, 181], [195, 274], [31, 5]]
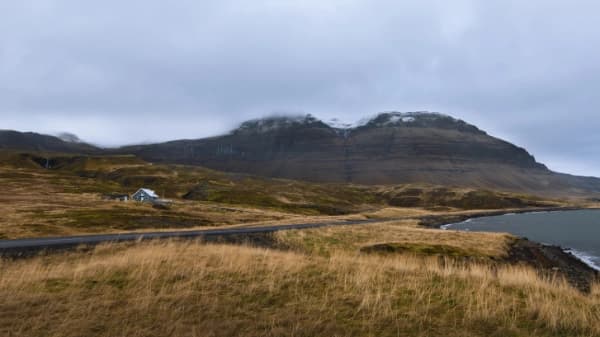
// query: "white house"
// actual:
[[145, 195]]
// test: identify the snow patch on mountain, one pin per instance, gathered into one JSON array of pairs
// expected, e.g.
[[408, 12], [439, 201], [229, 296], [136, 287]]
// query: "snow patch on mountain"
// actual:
[[383, 119], [391, 118], [263, 125], [339, 124]]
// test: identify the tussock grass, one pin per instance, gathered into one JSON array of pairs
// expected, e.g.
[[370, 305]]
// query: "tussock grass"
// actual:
[[193, 289], [329, 240]]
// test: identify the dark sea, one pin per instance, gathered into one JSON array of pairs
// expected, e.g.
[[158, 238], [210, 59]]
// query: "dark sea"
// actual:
[[578, 232]]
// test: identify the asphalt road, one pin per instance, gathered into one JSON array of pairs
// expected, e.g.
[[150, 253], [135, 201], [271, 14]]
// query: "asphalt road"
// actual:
[[17, 247], [25, 246]]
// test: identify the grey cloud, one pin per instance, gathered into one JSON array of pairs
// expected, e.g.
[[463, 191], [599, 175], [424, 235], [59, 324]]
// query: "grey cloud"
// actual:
[[523, 70]]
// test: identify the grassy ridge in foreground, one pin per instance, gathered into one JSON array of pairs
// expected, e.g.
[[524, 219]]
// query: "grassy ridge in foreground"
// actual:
[[190, 289]]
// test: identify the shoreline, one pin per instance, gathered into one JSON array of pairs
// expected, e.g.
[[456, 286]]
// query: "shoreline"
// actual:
[[583, 257], [437, 221], [550, 260], [579, 255]]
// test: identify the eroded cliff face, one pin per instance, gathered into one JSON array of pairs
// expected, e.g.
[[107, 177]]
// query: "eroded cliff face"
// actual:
[[390, 148]]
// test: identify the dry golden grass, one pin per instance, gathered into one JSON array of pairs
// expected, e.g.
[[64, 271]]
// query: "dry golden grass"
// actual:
[[35, 202], [192, 289], [397, 212], [42, 203], [328, 284], [330, 240]]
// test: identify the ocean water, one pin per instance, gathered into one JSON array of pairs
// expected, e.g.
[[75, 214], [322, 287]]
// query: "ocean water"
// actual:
[[575, 231]]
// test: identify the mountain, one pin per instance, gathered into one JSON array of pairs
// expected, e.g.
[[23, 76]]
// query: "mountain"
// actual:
[[29, 141], [389, 148]]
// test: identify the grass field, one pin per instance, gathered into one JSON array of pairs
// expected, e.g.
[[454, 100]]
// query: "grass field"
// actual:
[[194, 289], [44, 203], [393, 278], [53, 194], [399, 237]]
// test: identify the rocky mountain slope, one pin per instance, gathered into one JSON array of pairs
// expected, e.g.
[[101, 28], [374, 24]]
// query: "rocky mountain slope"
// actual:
[[390, 148], [29, 141]]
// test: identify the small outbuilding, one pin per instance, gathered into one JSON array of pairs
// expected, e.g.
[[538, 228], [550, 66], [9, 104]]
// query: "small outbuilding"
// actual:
[[145, 195]]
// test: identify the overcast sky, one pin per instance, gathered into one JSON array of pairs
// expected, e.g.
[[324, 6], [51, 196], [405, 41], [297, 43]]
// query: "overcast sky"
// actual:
[[119, 72]]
